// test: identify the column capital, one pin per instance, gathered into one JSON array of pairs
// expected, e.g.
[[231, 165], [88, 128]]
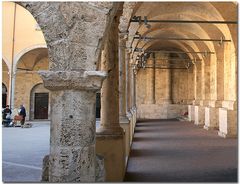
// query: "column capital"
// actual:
[[80, 80]]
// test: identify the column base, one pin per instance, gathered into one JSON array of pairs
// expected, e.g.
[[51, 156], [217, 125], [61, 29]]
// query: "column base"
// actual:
[[224, 135], [112, 148], [206, 127], [199, 115], [103, 130], [191, 113], [125, 124], [211, 118], [227, 123]]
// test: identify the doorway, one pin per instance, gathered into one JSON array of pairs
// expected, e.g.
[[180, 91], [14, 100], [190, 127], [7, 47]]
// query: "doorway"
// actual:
[[98, 105], [4, 95], [41, 106]]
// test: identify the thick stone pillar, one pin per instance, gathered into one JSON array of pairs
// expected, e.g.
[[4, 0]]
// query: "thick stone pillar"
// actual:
[[74, 33], [110, 136], [122, 78], [72, 141], [124, 121]]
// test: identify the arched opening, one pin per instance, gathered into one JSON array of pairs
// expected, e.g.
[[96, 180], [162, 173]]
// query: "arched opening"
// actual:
[[5, 83], [27, 88], [4, 95], [39, 103]]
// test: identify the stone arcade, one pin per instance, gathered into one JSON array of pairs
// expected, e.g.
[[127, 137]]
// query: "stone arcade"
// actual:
[[181, 63]]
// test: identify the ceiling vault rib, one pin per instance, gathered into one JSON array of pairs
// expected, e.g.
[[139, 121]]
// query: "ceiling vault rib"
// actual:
[[176, 52], [145, 20], [142, 38]]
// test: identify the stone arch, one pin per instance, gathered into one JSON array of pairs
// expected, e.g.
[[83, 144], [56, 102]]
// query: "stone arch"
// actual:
[[37, 88], [6, 61], [23, 52]]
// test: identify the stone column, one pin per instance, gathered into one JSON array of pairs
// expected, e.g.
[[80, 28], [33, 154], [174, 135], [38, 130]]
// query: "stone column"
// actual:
[[72, 141], [151, 81], [109, 93], [122, 78], [110, 136], [128, 87], [124, 121]]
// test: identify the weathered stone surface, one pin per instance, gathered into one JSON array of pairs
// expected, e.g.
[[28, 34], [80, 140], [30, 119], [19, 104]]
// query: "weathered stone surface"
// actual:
[[59, 80], [100, 169], [45, 169], [128, 8], [110, 88], [74, 31]]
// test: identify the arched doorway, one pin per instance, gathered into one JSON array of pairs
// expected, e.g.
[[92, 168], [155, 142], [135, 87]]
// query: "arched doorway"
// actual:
[[39, 102], [4, 95]]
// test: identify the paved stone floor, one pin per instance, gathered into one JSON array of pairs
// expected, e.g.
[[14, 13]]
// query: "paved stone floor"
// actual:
[[23, 150], [176, 151]]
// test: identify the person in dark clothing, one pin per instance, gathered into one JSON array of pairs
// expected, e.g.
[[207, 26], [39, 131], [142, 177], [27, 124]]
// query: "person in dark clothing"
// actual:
[[6, 115], [23, 114]]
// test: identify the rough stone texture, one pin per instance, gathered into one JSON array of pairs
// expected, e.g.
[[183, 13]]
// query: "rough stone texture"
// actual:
[[165, 111], [68, 30], [62, 80], [45, 169], [72, 151], [100, 170], [227, 123], [126, 16]]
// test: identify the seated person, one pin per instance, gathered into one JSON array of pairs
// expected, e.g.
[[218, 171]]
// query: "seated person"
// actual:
[[6, 115]]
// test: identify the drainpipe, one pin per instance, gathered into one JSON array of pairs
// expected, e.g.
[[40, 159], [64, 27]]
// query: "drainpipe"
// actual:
[[12, 86]]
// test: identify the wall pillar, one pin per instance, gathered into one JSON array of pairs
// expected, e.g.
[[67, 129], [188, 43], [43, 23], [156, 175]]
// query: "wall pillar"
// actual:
[[110, 136]]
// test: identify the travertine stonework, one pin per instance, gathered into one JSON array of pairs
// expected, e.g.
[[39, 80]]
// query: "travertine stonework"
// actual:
[[74, 49]]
